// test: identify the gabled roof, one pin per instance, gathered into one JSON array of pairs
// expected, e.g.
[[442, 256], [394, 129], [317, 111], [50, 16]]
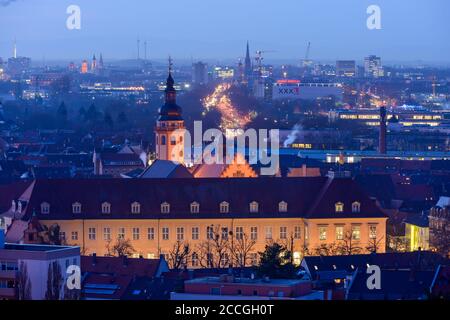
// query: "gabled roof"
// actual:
[[166, 169]]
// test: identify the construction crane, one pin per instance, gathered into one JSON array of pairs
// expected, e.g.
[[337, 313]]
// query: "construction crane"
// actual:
[[306, 62]]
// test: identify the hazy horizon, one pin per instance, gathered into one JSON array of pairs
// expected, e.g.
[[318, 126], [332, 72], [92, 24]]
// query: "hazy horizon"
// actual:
[[412, 31]]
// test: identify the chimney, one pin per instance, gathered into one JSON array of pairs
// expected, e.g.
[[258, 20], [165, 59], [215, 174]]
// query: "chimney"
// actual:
[[382, 137]]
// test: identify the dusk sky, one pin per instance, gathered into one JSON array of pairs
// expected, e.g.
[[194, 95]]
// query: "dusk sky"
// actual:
[[210, 29]]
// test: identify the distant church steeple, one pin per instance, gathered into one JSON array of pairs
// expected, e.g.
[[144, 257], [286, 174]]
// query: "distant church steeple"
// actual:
[[248, 64]]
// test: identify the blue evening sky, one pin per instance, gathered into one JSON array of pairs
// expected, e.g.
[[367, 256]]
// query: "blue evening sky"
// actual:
[[211, 29]]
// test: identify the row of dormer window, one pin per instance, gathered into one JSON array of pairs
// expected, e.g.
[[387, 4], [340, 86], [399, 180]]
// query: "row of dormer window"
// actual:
[[224, 207], [339, 207]]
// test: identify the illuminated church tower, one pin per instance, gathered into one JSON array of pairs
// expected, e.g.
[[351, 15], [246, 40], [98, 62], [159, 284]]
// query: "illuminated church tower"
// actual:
[[170, 126]]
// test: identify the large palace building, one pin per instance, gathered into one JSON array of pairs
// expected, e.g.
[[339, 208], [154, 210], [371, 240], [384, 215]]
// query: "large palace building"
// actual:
[[206, 220], [307, 214]]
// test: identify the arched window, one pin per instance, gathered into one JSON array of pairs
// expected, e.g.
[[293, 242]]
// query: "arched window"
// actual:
[[106, 208], [135, 208], [356, 207], [339, 207], [282, 206], [76, 207], [45, 208], [173, 140], [224, 207], [163, 140], [165, 207], [195, 207], [254, 206]]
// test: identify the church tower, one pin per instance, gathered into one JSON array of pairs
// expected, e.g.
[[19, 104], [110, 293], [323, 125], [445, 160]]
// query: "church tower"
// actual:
[[170, 126], [248, 72]]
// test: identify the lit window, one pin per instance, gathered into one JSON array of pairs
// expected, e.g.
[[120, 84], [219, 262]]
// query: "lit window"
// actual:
[[195, 207], [339, 207], [107, 234], [165, 233], [297, 258], [224, 260], [239, 233], [372, 231], [283, 232], [254, 206], [254, 233], [106, 208], [339, 233], [151, 233], [268, 233], [121, 233], [45, 208], [224, 207], [135, 208], [297, 232], [282, 206], [76, 207], [195, 233], [194, 258], [180, 233], [165, 207], [136, 234], [322, 233], [210, 232], [356, 207], [356, 232], [225, 233], [91, 233]]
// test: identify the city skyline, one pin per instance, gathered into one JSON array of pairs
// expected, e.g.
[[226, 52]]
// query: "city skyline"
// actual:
[[284, 30]]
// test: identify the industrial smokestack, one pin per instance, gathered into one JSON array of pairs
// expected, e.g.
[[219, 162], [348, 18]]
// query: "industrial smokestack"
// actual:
[[382, 137]]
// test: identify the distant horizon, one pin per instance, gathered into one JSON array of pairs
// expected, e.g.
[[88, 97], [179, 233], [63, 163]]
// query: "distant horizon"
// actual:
[[230, 62], [415, 30]]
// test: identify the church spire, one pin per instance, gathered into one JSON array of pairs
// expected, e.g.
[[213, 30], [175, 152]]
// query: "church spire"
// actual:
[[170, 89], [248, 63]]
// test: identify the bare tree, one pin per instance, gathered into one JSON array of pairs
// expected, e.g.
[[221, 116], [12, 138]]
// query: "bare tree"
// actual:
[[120, 248], [23, 288], [374, 245], [179, 254], [348, 245], [330, 249], [214, 251], [240, 249]]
